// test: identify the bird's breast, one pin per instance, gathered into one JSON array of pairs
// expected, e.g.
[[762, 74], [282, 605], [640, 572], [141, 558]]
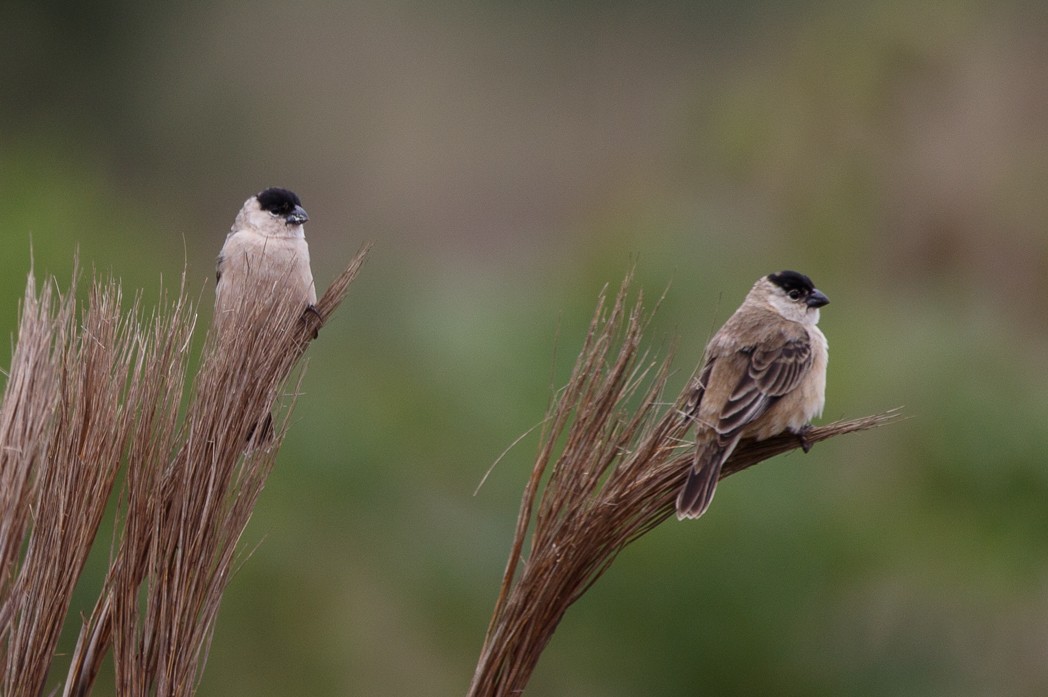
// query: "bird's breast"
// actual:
[[253, 263]]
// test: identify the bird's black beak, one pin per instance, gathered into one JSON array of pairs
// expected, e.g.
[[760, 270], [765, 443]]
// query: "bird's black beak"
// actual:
[[817, 299], [297, 216]]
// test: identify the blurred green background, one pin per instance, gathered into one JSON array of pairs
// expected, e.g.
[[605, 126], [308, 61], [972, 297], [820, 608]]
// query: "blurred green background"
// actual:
[[509, 159]]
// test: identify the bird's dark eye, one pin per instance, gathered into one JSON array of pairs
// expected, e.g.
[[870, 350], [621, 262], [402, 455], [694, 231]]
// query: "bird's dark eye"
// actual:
[[794, 294]]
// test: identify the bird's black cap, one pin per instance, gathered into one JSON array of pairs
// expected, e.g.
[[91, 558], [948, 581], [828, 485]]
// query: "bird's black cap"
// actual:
[[798, 286], [278, 201], [791, 280]]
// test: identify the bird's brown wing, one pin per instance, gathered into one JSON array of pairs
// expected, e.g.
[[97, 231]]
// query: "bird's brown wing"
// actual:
[[772, 370], [698, 389], [766, 371]]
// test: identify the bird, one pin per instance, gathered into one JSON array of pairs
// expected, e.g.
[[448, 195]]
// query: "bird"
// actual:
[[265, 248], [763, 373]]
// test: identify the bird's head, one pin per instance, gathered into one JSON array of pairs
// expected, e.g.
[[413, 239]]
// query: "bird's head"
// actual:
[[792, 295], [274, 212]]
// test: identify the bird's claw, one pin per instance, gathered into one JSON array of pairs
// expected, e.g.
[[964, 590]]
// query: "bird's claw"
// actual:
[[312, 310], [802, 436]]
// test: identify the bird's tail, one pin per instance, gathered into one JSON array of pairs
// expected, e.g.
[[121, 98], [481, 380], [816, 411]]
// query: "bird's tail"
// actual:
[[698, 491]]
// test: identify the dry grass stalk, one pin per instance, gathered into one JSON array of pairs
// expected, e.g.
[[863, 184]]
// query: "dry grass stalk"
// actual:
[[98, 372], [190, 495], [612, 472], [25, 417], [88, 393]]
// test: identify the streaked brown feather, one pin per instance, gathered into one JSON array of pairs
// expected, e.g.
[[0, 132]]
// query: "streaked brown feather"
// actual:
[[698, 491], [698, 388], [766, 371]]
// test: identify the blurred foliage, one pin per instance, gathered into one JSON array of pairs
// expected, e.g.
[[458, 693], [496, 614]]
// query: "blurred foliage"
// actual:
[[508, 161]]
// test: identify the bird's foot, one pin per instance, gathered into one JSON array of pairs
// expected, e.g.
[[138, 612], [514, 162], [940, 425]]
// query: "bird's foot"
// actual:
[[802, 436], [312, 310]]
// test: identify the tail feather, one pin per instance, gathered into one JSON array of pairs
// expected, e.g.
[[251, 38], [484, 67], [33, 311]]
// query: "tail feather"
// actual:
[[698, 491], [710, 456]]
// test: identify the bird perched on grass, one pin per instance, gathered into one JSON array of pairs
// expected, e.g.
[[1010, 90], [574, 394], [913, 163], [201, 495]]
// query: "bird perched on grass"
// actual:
[[764, 372], [265, 248]]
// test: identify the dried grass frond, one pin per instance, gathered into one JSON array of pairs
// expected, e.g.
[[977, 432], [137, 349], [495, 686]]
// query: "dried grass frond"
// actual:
[[26, 415], [190, 497], [613, 457], [91, 390], [98, 368]]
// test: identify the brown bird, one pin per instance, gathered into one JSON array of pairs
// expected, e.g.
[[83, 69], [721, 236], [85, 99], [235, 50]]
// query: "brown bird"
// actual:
[[763, 373]]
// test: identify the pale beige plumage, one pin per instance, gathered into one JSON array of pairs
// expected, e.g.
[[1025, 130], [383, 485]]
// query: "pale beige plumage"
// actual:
[[265, 249], [764, 372]]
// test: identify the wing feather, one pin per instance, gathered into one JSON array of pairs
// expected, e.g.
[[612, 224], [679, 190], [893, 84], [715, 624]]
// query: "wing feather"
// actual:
[[771, 371], [698, 389]]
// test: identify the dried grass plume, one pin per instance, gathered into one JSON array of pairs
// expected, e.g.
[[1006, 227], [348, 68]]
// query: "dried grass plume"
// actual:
[[97, 390], [614, 454]]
